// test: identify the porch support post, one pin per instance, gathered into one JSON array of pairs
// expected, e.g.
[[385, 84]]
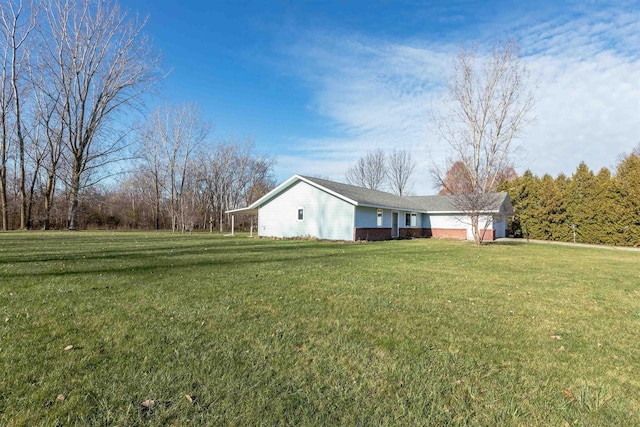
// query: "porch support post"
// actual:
[[251, 227], [233, 218]]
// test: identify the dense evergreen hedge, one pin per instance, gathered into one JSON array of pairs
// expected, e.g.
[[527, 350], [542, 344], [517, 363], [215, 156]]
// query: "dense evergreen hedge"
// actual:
[[602, 208]]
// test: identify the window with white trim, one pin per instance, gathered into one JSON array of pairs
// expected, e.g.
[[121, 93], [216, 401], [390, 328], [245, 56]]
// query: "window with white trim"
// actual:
[[411, 219], [300, 214], [379, 219]]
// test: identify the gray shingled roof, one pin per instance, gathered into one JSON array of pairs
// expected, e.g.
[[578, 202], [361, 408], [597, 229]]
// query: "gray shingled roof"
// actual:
[[378, 199], [365, 196], [375, 198], [452, 203]]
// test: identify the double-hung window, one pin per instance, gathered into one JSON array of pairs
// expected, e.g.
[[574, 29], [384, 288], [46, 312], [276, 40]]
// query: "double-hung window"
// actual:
[[411, 219]]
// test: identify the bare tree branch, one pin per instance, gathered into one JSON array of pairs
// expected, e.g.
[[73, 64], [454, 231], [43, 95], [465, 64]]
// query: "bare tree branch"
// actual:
[[400, 170], [486, 108], [101, 63], [369, 171]]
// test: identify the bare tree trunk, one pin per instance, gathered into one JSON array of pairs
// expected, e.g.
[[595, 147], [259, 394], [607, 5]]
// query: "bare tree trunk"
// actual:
[[23, 190], [74, 191], [48, 199], [3, 175], [3, 197], [157, 202], [475, 228], [32, 187]]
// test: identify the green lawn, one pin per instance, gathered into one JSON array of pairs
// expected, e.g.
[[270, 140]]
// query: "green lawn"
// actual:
[[239, 331]]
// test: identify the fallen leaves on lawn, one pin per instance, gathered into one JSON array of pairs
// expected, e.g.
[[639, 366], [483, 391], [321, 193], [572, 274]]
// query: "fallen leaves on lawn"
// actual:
[[568, 394], [148, 403], [69, 347], [190, 398], [60, 397]]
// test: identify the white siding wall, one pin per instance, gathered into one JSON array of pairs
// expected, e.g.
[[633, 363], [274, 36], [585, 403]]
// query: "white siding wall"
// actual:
[[325, 216]]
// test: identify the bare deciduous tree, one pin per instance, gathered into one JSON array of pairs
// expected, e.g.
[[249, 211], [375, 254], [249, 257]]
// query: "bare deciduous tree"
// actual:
[[48, 119], [456, 180], [231, 175], [369, 171], [153, 166], [400, 168], [16, 33], [6, 125], [486, 107], [179, 131], [101, 63]]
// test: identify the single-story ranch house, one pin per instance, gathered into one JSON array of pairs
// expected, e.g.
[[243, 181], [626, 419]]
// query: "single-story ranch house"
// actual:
[[303, 206]]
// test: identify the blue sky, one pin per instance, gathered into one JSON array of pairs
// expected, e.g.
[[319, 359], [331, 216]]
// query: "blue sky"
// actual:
[[318, 83]]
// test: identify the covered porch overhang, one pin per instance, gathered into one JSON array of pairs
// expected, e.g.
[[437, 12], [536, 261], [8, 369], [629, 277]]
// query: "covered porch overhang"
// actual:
[[244, 211]]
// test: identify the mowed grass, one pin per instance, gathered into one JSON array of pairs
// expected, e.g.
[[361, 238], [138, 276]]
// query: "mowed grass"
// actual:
[[239, 331]]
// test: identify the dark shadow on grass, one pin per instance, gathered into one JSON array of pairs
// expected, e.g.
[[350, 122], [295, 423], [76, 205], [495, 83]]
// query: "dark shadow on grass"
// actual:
[[508, 242], [55, 254], [170, 264]]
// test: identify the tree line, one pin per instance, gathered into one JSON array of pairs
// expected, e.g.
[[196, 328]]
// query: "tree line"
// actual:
[[600, 208], [77, 148]]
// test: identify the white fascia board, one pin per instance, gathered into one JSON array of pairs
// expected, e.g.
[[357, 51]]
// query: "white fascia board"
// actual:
[[461, 212], [247, 210], [271, 194]]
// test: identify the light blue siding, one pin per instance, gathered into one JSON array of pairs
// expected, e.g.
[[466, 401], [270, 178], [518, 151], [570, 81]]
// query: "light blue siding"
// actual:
[[325, 216], [366, 218], [500, 226]]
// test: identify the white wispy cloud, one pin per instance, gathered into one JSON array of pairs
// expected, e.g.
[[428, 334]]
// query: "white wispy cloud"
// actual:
[[380, 94]]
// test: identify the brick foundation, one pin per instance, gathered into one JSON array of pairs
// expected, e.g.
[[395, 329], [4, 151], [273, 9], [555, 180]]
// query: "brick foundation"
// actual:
[[448, 233], [413, 232], [372, 234], [489, 235]]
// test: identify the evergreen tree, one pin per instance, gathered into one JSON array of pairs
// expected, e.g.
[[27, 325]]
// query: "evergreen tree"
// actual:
[[549, 215], [603, 206], [579, 206], [626, 187], [522, 192]]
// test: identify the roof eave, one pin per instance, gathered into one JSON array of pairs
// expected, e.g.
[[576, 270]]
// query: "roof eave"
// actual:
[[395, 208]]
